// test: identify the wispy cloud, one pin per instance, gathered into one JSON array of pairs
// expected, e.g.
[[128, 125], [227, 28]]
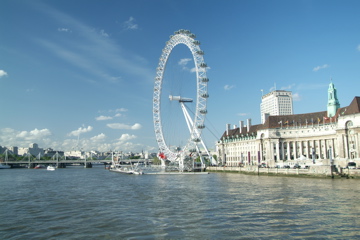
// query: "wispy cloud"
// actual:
[[121, 110], [130, 24], [136, 126], [229, 87], [200, 69], [103, 33], [63, 30], [106, 60], [103, 118], [358, 47], [80, 130], [315, 69], [243, 114], [3, 73], [313, 86], [288, 87], [296, 97]]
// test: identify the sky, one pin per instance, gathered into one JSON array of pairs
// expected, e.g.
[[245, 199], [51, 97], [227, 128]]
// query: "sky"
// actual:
[[80, 74]]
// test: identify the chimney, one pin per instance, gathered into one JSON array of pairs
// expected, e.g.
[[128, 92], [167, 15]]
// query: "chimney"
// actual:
[[227, 129], [241, 125], [248, 124], [235, 126]]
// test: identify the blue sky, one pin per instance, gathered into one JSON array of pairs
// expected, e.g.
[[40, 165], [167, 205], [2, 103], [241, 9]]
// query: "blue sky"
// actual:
[[79, 74]]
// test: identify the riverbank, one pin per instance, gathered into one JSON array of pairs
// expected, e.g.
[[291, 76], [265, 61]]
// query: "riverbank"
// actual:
[[325, 171]]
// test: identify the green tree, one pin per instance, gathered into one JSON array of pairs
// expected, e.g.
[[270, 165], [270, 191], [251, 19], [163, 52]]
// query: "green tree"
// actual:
[[156, 161]]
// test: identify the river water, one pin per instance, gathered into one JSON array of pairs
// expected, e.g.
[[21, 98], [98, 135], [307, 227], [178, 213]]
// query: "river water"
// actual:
[[78, 203]]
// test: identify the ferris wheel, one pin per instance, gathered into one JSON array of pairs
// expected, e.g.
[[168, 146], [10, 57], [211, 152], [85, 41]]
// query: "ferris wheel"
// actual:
[[194, 123]]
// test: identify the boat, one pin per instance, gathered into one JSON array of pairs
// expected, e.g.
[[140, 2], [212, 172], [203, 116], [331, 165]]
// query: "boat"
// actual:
[[4, 166], [50, 168], [122, 169], [127, 169], [39, 166]]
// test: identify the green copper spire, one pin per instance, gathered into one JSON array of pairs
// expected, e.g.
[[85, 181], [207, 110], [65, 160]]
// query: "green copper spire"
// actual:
[[333, 102]]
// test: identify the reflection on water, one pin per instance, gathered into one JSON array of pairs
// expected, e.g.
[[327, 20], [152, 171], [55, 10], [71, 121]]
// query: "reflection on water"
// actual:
[[79, 203]]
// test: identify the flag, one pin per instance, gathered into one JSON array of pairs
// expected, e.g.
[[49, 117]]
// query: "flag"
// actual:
[[319, 120], [287, 122]]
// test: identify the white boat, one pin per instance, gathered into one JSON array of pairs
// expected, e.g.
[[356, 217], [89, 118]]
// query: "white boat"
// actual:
[[4, 166], [50, 168], [127, 169]]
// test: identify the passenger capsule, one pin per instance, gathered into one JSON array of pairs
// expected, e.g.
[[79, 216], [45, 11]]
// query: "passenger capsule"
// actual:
[[203, 65], [204, 79], [205, 95]]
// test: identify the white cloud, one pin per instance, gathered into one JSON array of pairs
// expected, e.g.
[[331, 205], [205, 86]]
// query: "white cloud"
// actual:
[[102, 118], [200, 69], [118, 115], [3, 73], [296, 97], [130, 24], [34, 134], [288, 87], [80, 130], [98, 138], [103, 33], [136, 126], [106, 60], [184, 61], [315, 69], [121, 110], [228, 87], [11, 137], [126, 137], [243, 114], [64, 30]]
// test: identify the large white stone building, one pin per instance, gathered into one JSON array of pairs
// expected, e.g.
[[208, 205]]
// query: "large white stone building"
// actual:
[[278, 102], [300, 138]]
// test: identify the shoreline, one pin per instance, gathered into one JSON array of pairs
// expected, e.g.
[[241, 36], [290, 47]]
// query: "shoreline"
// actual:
[[325, 171]]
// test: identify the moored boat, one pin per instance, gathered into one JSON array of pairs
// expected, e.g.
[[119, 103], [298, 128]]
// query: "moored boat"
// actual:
[[4, 166], [127, 169], [50, 168], [39, 166]]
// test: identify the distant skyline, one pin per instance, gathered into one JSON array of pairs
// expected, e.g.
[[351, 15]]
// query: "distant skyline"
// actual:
[[80, 74]]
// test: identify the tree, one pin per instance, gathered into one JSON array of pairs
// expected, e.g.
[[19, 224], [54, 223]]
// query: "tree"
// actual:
[[156, 161]]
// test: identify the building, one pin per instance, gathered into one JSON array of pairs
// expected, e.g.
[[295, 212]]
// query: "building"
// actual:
[[33, 150], [278, 102], [327, 137]]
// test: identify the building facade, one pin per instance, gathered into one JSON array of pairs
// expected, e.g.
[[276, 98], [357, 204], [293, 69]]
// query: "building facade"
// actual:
[[278, 102], [296, 139]]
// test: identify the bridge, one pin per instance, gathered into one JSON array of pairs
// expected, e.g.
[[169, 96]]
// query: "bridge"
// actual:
[[87, 163]]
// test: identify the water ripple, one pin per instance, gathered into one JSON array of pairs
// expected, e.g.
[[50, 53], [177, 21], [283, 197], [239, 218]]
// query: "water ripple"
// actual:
[[77, 203]]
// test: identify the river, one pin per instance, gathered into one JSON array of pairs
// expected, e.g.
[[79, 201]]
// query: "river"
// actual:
[[78, 203]]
